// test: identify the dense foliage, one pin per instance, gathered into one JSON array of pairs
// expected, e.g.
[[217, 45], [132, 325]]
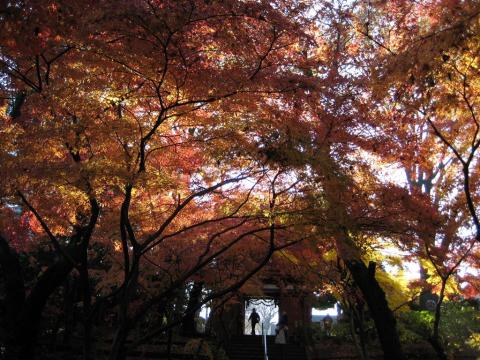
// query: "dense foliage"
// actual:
[[157, 156]]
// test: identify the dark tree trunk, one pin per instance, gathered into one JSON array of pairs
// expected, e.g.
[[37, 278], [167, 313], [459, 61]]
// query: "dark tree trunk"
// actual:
[[437, 346], [377, 303], [118, 351], [14, 296], [360, 314], [25, 316], [188, 324], [69, 309], [435, 338], [356, 341], [87, 318], [28, 321]]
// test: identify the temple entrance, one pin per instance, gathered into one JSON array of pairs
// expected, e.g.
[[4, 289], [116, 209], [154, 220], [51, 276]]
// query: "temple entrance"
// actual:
[[268, 311]]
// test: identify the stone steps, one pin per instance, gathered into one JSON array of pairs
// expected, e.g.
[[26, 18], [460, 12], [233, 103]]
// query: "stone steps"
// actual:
[[249, 347]]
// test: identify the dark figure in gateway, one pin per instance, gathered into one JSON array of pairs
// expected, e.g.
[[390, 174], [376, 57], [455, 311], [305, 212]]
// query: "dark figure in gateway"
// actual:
[[254, 319]]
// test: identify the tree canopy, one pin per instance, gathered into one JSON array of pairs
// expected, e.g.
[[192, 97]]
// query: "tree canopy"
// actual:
[[154, 152]]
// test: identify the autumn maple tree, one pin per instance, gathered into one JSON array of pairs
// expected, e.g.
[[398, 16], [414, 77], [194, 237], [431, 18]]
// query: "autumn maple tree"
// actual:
[[115, 138], [158, 156], [427, 111]]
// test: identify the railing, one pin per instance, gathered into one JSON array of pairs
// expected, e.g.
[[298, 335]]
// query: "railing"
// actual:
[[264, 340]]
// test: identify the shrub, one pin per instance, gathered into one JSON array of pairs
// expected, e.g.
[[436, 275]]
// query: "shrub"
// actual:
[[459, 325]]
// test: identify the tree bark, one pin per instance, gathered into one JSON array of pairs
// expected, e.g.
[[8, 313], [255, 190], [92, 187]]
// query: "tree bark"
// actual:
[[26, 316], [435, 338], [69, 309], [377, 303], [188, 324], [118, 351], [14, 295], [337, 191], [356, 341], [87, 313], [28, 321]]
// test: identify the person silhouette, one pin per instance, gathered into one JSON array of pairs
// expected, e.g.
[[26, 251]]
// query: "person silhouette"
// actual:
[[254, 320]]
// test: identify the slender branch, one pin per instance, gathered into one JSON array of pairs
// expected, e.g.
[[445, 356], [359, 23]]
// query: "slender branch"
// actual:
[[275, 37], [231, 215], [45, 227], [380, 44], [123, 236], [182, 205], [445, 141], [470, 203], [37, 70]]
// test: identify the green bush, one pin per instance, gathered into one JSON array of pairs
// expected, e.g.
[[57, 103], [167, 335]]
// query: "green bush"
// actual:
[[459, 326], [415, 325], [340, 331]]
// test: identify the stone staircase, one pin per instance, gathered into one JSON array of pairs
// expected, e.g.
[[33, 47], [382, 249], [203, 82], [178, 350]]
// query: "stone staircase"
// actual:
[[247, 347]]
